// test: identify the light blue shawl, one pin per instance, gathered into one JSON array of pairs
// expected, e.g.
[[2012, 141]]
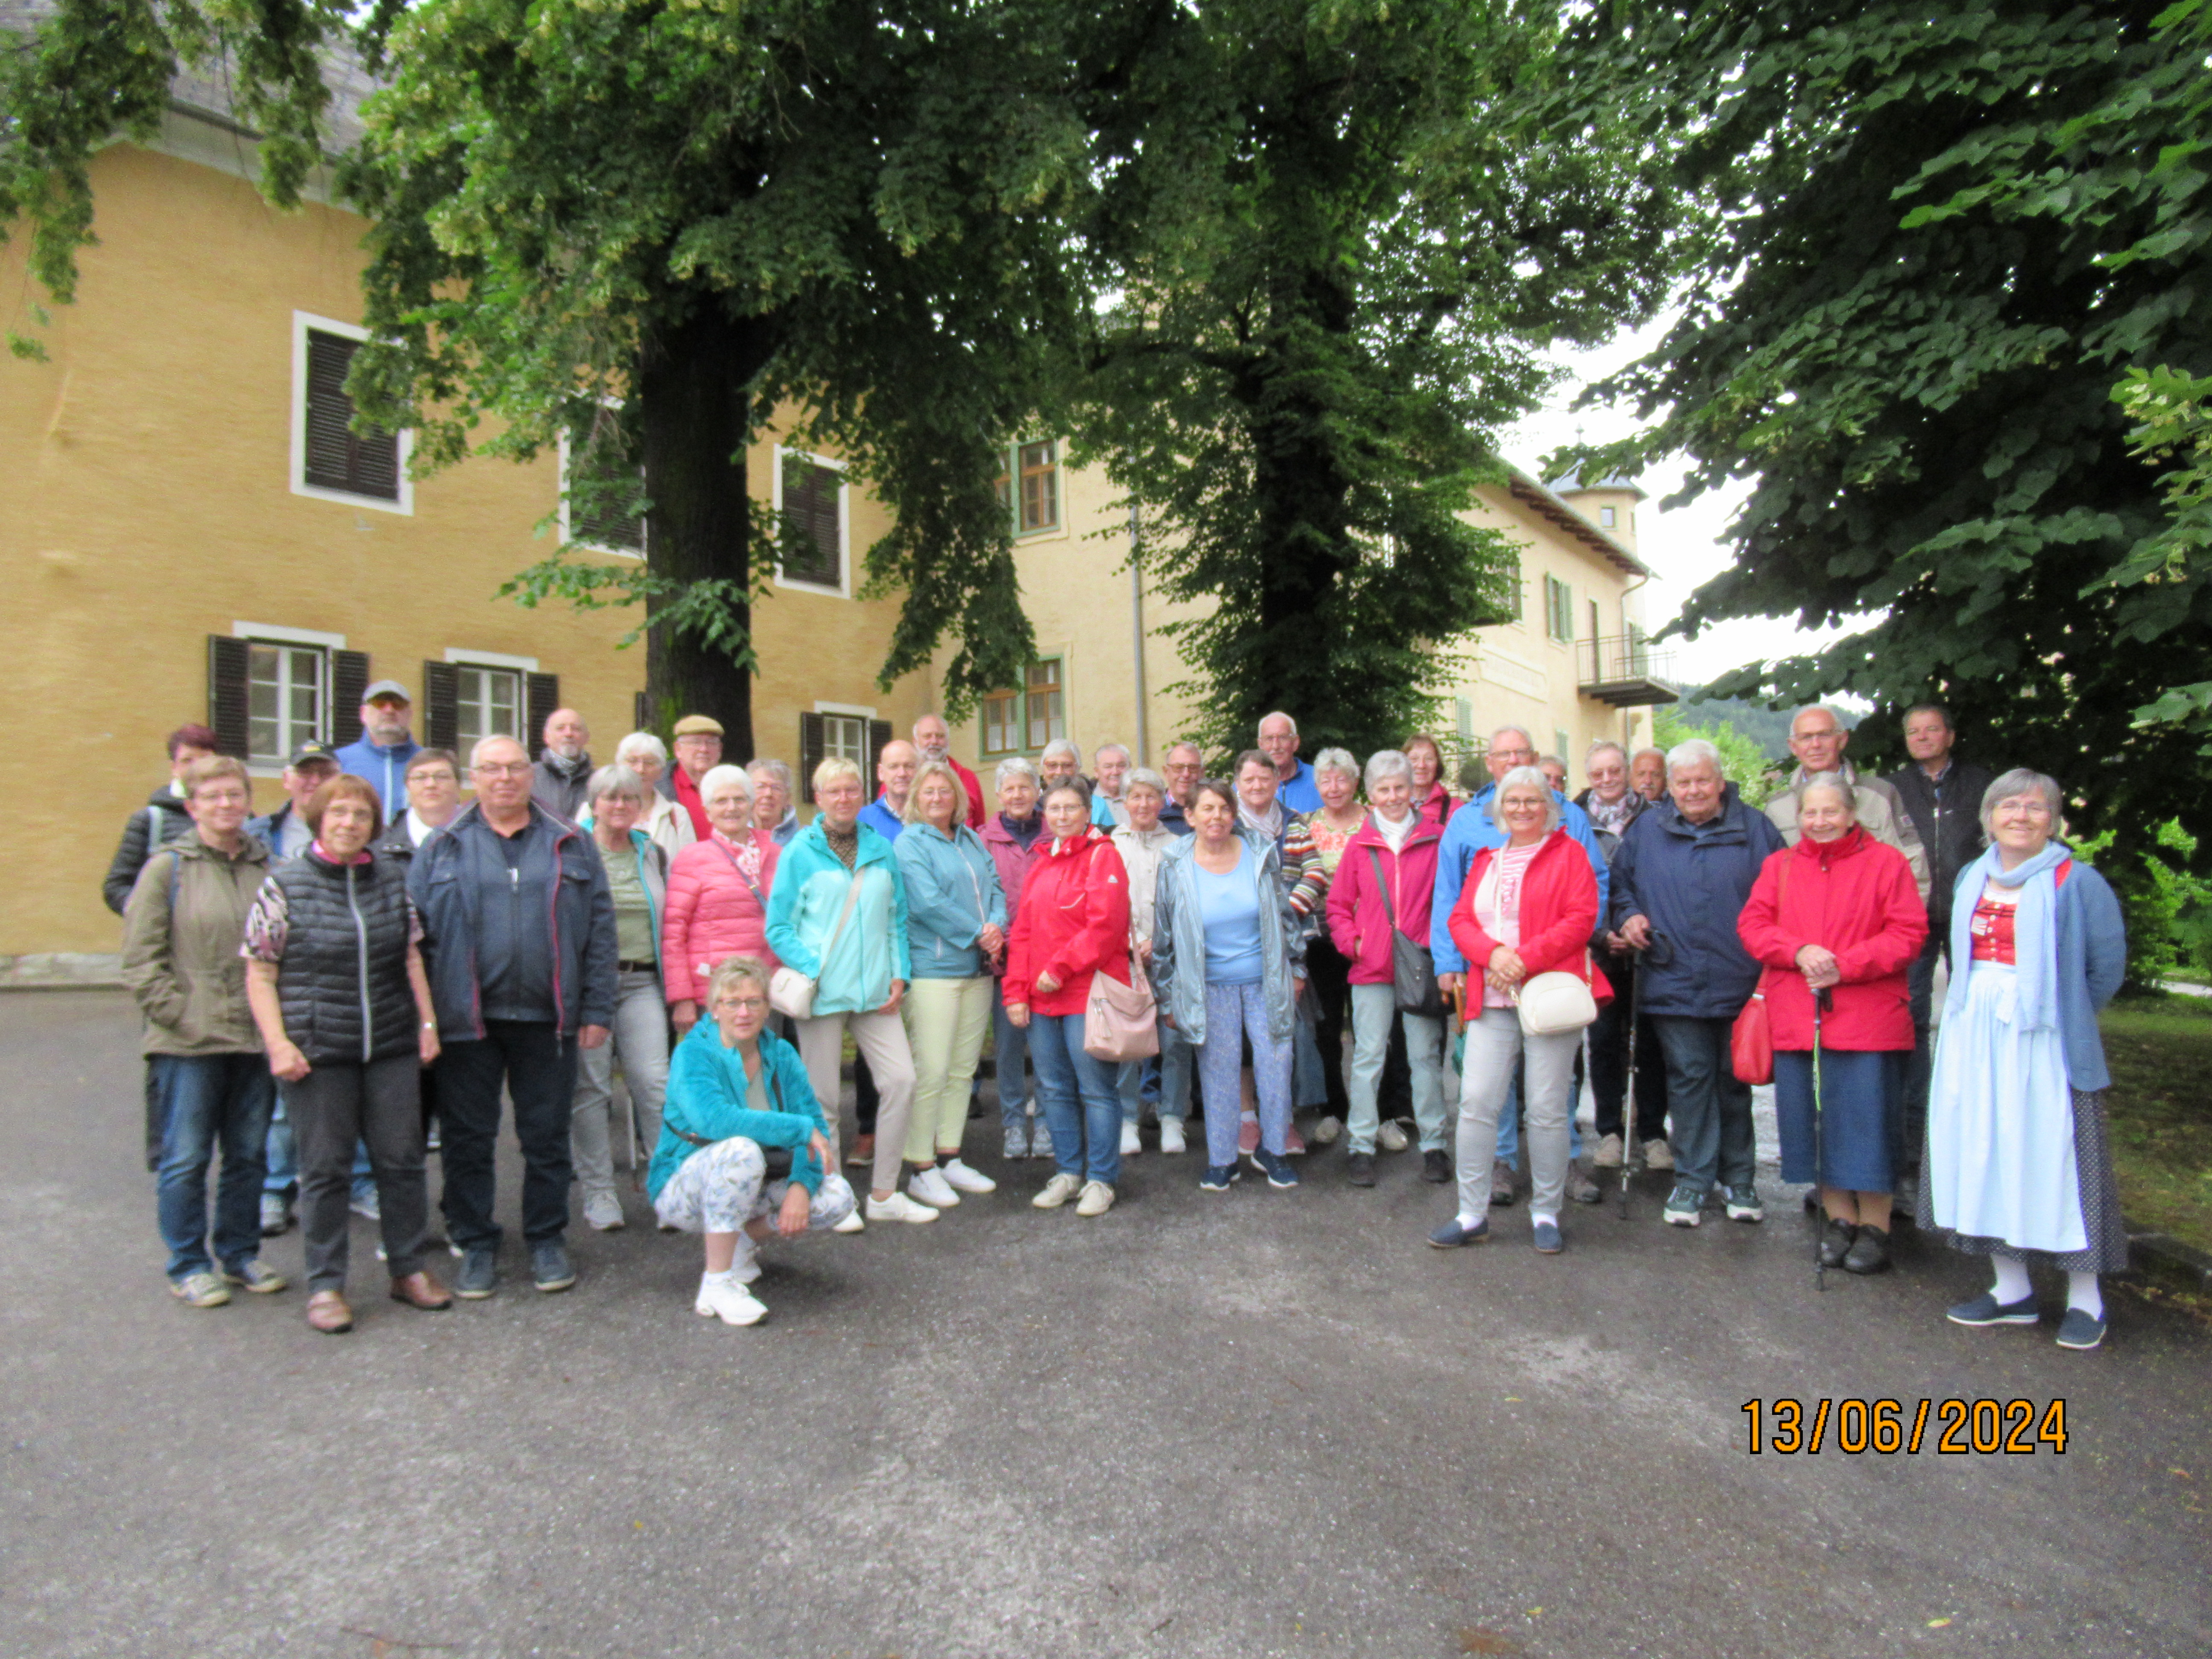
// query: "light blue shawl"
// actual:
[[2035, 933]]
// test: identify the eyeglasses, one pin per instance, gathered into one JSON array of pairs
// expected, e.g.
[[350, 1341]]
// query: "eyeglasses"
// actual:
[[741, 1002], [509, 769]]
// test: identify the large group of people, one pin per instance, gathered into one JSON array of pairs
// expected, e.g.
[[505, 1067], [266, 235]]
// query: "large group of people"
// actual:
[[368, 972]]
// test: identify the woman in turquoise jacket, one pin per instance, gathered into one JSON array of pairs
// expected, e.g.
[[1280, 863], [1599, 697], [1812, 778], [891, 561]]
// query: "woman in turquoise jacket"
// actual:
[[955, 925], [837, 915], [737, 1099]]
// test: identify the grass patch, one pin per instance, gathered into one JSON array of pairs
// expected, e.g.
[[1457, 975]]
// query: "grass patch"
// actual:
[[2159, 1048]]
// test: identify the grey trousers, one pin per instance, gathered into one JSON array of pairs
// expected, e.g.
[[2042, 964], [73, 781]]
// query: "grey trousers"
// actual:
[[881, 1038], [639, 1039], [331, 1108], [1493, 1043], [1373, 1009]]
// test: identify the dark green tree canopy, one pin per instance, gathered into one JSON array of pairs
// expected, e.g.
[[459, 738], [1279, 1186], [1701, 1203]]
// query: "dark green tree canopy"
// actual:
[[1944, 235]]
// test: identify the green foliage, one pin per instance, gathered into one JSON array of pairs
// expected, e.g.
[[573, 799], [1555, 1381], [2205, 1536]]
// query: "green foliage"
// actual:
[[1744, 762], [1338, 239], [1944, 234], [1767, 728], [2167, 905]]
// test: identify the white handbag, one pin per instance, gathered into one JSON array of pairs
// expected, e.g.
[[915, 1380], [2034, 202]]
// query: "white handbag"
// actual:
[[791, 992], [1555, 1003]]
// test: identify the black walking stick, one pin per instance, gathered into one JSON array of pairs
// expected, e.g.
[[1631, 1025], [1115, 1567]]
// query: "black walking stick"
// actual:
[[1820, 1150], [1631, 1144]]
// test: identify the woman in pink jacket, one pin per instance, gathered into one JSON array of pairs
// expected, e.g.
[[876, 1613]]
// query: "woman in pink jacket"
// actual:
[[717, 894], [1384, 880]]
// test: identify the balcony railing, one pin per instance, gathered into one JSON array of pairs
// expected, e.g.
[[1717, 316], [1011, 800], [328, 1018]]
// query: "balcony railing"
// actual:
[[1625, 671]]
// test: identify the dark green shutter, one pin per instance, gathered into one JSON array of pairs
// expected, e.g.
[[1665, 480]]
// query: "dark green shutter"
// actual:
[[811, 739], [442, 706], [229, 667]]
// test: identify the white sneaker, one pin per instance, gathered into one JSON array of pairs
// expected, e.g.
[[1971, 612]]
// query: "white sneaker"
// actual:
[[1390, 1137], [1658, 1155], [1607, 1155], [1098, 1198], [931, 1187], [275, 1214], [604, 1211], [961, 1178], [1057, 1191], [1325, 1132], [1171, 1135], [728, 1301], [853, 1224], [745, 1267], [1132, 1142], [898, 1207]]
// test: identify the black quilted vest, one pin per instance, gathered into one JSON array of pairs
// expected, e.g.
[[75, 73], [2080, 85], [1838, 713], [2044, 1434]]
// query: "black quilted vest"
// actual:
[[344, 979]]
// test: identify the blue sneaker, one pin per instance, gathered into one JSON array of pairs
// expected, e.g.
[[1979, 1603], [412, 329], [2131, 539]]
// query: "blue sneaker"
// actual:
[[2081, 1330], [1452, 1235], [1685, 1207], [1275, 1167], [1986, 1310], [479, 1274], [550, 1267], [1546, 1238], [1218, 1177]]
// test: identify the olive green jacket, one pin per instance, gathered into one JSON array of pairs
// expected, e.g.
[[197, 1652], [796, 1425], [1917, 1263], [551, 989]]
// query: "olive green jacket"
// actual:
[[182, 928]]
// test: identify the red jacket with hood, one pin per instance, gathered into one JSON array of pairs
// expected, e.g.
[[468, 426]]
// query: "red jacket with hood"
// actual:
[[1075, 922], [1358, 926], [1854, 896], [1559, 912]]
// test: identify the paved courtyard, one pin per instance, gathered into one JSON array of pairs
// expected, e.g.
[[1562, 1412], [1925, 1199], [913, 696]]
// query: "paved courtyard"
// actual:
[[1257, 1424]]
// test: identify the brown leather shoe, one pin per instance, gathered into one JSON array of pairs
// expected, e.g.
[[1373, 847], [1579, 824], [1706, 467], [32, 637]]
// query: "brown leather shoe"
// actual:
[[419, 1289], [327, 1312]]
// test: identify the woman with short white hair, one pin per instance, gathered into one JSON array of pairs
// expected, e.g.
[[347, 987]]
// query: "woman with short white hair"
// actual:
[[1526, 909], [666, 822], [1014, 837], [718, 893], [2018, 1165], [1143, 842]]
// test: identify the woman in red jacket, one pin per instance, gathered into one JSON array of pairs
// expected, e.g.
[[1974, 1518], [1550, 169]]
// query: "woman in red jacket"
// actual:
[[1838, 912], [1073, 924], [1527, 908]]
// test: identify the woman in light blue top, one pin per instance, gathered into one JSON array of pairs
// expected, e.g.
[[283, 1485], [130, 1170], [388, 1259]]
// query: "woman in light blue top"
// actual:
[[2018, 1161], [837, 915], [1228, 962], [955, 924]]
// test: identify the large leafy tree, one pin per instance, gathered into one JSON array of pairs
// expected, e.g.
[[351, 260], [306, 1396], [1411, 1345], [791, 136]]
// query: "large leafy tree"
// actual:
[[1946, 235], [1338, 238], [652, 229]]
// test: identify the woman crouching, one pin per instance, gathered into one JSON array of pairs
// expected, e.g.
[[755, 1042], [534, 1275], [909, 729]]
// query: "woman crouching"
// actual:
[[744, 1152]]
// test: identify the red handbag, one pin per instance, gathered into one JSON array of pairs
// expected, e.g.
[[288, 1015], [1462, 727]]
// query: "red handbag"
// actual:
[[1751, 1042]]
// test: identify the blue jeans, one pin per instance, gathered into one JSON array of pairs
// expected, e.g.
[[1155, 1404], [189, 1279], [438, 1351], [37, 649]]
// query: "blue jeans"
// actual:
[[203, 1100], [1011, 1043], [1081, 1106], [1178, 1063], [283, 1173]]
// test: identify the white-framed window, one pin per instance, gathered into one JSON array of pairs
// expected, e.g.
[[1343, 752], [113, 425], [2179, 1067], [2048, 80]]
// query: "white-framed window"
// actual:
[[847, 735], [330, 461], [812, 501], [491, 697], [604, 528], [1608, 518], [287, 688]]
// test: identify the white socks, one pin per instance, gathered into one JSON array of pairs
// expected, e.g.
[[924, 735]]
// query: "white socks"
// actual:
[[1248, 1117], [2012, 1284], [1535, 1216], [2083, 1292]]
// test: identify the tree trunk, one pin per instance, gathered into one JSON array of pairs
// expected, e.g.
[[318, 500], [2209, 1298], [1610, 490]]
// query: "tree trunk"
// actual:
[[695, 402]]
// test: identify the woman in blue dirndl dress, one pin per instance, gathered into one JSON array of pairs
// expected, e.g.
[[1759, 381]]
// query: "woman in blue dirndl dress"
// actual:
[[2018, 1164]]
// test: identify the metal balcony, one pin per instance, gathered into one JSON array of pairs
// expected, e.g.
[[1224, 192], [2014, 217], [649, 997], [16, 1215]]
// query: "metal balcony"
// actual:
[[1625, 671]]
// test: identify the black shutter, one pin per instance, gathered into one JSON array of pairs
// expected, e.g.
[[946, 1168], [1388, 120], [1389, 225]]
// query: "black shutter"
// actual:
[[442, 710], [359, 463], [229, 668], [879, 734], [641, 710], [812, 546], [543, 699], [602, 484], [348, 680], [811, 742]]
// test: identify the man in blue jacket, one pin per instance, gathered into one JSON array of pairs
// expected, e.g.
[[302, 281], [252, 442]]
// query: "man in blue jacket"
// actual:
[[385, 748], [1685, 868], [1472, 828], [1294, 780], [518, 937]]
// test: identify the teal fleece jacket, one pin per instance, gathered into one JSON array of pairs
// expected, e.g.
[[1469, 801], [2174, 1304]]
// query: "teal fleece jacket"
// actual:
[[708, 1097], [803, 908]]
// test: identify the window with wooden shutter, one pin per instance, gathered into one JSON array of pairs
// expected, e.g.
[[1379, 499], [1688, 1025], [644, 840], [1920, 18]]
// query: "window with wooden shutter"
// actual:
[[441, 683], [286, 698], [812, 738], [338, 458], [349, 682], [544, 691], [600, 483], [879, 734], [228, 667], [488, 701], [812, 501]]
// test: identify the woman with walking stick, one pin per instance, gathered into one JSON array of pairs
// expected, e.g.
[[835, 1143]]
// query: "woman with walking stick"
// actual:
[[1838, 914], [2018, 1161]]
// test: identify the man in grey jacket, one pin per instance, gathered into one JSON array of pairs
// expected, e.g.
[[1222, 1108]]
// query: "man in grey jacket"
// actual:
[[518, 937], [564, 768], [1818, 739]]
